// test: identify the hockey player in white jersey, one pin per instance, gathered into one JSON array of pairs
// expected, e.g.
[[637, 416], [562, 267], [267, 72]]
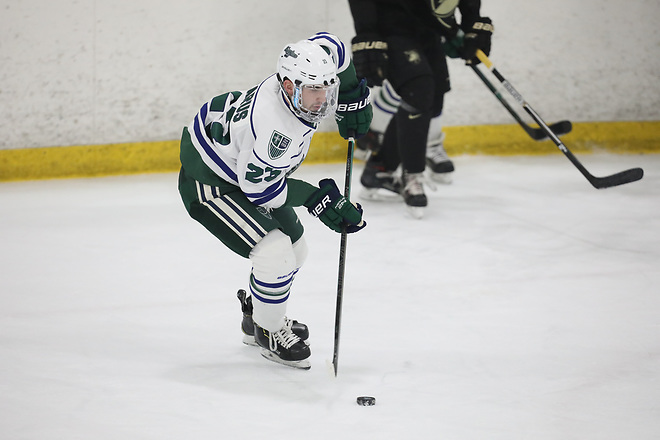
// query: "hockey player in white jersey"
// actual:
[[237, 157]]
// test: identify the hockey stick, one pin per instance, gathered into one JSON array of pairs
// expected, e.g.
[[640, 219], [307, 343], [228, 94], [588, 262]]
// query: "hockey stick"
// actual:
[[558, 128], [342, 255], [620, 178]]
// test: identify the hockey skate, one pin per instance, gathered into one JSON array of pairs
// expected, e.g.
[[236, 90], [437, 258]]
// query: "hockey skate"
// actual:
[[379, 184], [247, 324], [413, 193], [439, 164], [283, 347]]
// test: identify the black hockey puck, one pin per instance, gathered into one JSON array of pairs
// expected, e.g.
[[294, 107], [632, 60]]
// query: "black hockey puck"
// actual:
[[366, 400]]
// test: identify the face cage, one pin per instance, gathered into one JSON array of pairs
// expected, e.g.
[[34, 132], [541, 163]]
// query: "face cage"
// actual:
[[328, 107]]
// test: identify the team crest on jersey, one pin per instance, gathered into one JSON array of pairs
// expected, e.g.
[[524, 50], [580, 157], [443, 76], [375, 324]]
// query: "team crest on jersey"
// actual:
[[278, 145]]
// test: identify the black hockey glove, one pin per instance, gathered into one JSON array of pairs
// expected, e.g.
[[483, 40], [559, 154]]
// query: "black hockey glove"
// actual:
[[333, 209], [370, 58], [354, 112], [477, 37]]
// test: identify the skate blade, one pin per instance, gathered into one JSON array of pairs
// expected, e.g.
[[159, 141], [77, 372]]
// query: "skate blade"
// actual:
[[380, 195], [301, 365], [443, 178], [249, 340], [417, 212]]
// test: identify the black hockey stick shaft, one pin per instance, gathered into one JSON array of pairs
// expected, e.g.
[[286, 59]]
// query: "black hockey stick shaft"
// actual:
[[342, 255], [559, 128], [620, 178]]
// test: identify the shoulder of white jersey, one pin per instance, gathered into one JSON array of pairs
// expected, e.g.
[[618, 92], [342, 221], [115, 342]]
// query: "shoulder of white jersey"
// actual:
[[336, 48], [264, 106]]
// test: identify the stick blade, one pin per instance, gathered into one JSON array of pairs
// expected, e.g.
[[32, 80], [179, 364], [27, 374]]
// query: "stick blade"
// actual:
[[562, 127], [558, 128], [627, 176]]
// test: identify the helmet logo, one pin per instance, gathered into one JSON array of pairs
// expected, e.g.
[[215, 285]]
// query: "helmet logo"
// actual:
[[288, 52]]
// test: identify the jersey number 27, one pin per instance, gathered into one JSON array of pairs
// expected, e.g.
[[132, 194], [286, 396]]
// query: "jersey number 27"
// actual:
[[256, 174]]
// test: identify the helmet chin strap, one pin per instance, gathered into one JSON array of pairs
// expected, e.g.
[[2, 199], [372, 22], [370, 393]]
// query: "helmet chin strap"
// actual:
[[289, 103], [297, 98]]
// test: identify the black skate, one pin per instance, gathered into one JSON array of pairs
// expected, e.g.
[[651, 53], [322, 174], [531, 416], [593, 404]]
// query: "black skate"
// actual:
[[247, 325], [283, 346], [413, 193], [378, 183], [438, 162]]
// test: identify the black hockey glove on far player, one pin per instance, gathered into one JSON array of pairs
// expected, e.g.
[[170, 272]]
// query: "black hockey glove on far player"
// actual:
[[370, 58], [477, 37], [333, 209], [354, 112]]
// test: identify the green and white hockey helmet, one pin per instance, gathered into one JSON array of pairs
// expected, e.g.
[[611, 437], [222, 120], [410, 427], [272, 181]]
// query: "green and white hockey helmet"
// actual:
[[313, 74]]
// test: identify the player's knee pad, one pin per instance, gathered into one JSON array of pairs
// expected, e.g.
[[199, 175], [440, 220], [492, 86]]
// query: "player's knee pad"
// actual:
[[273, 257], [417, 95], [300, 250]]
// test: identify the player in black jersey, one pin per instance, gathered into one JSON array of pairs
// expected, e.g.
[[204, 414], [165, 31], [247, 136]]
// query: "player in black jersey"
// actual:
[[406, 42]]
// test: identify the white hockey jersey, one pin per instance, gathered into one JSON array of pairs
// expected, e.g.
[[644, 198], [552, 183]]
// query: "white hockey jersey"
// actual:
[[252, 138]]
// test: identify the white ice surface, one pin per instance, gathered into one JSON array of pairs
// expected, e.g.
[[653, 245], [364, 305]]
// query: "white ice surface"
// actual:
[[525, 305]]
